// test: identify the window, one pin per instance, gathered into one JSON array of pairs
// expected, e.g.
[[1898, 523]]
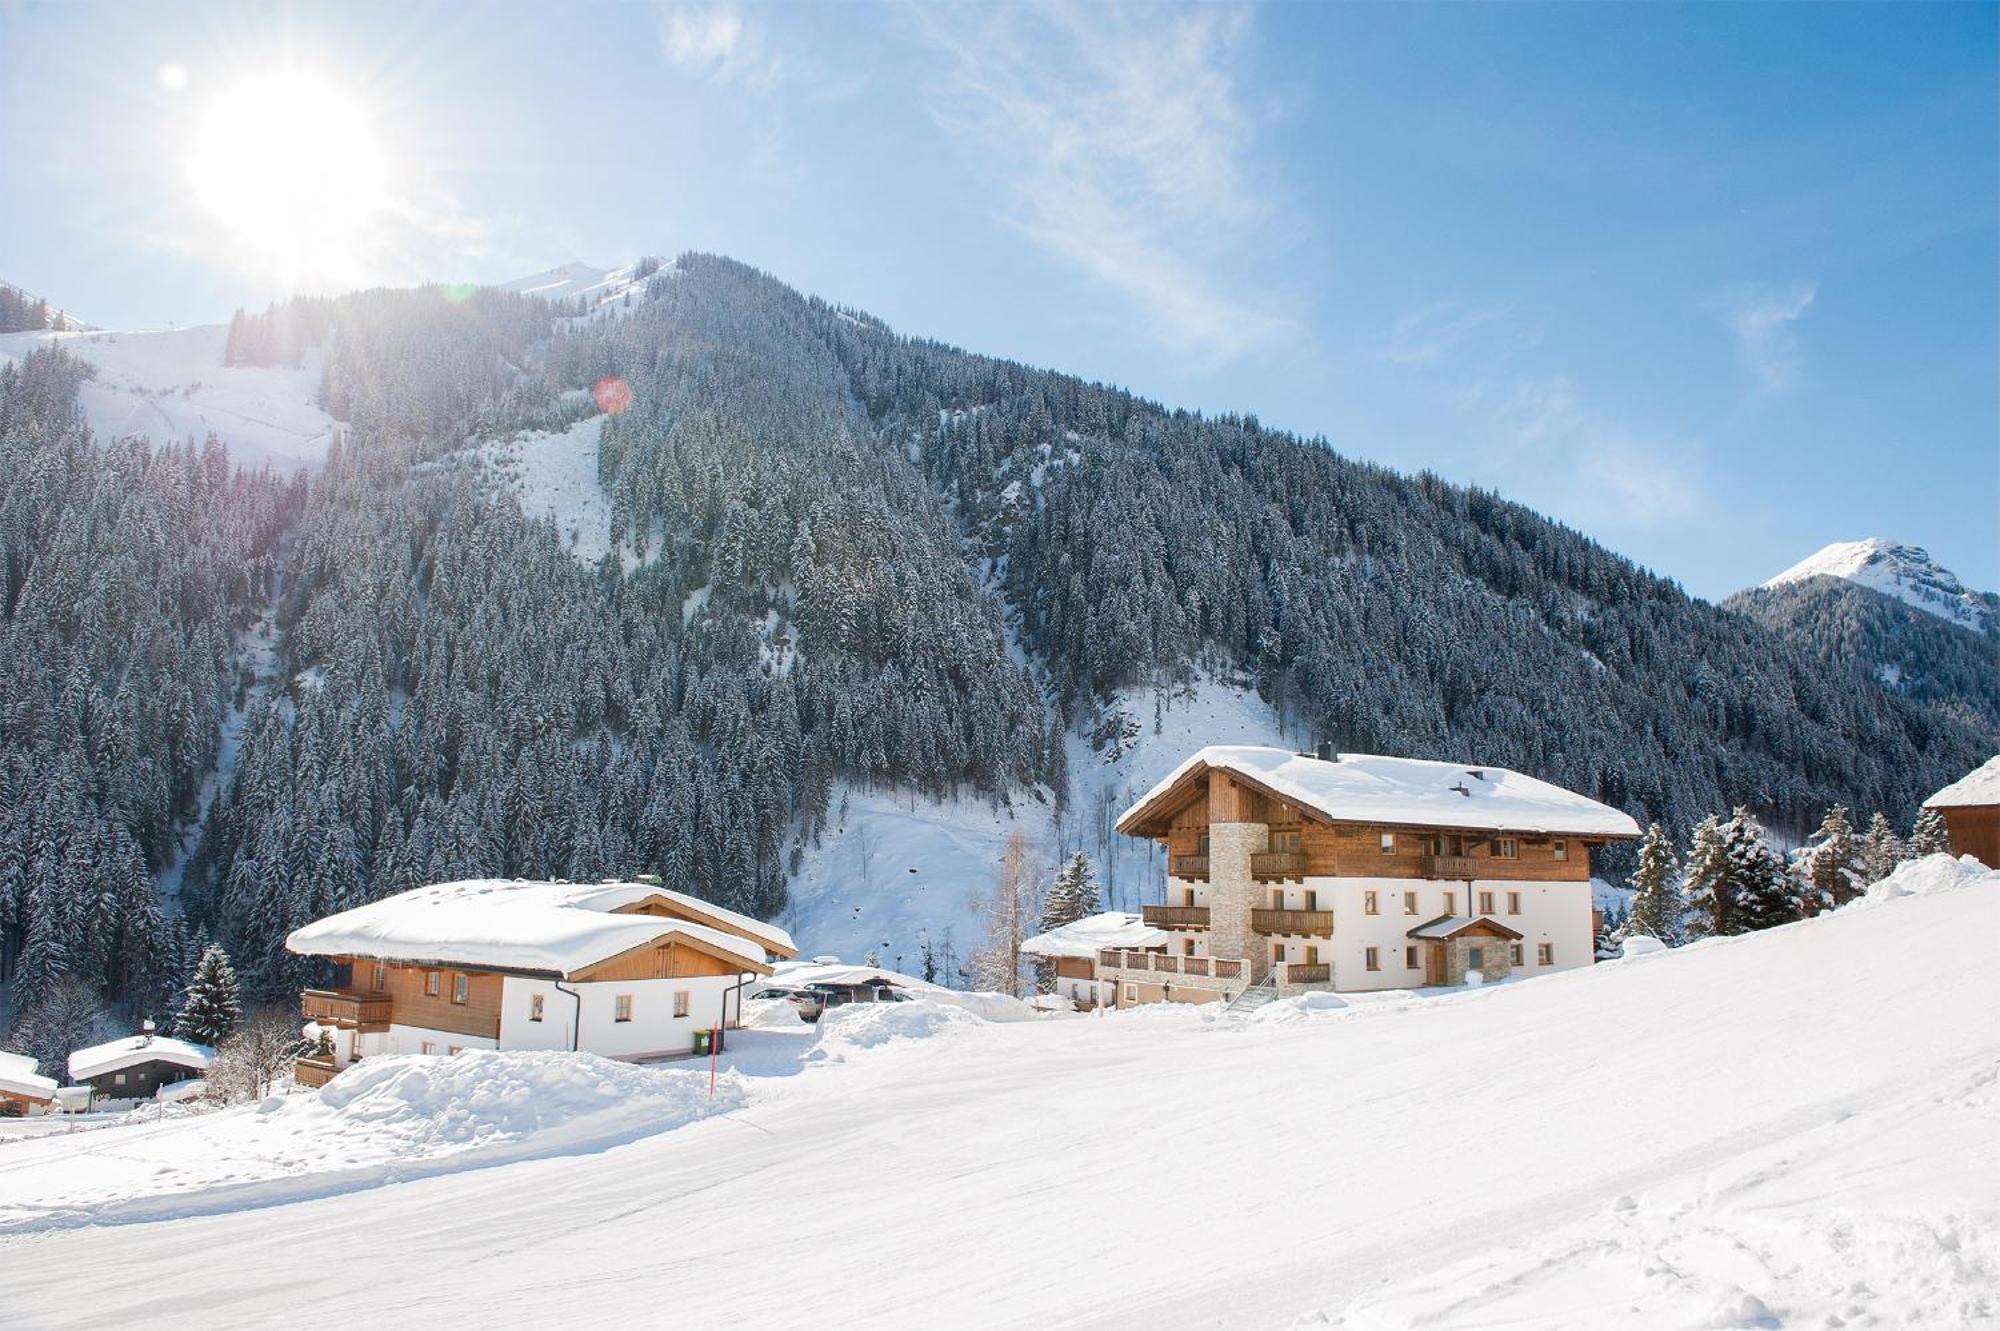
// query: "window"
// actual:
[[461, 987], [1277, 898], [1513, 903], [1514, 953], [1131, 993], [1545, 954], [1190, 896], [1451, 903], [454, 1049], [1507, 848], [1409, 903], [1388, 843], [1560, 849], [1187, 947], [433, 983], [680, 1002], [1370, 903], [429, 1047], [1312, 899], [621, 1008], [534, 1007], [1410, 957], [118, 1079], [381, 977], [1372, 958], [1475, 958], [1485, 903], [1204, 843], [1277, 951], [1285, 843]]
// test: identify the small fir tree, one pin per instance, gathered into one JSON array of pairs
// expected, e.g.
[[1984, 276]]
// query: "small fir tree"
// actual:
[[1881, 850], [1073, 895], [1707, 887], [1829, 868], [212, 1007], [1658, 910], [1757, 875], [1929, 837]]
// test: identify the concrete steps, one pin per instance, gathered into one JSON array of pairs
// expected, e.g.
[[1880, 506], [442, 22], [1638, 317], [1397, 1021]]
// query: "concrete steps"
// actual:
[[1256, 996]]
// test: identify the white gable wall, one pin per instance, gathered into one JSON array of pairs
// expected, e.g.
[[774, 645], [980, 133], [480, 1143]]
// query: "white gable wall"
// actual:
[[653, 1028]]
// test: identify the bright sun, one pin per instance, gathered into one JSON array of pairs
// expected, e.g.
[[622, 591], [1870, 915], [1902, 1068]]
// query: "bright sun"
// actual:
[[289, 164]]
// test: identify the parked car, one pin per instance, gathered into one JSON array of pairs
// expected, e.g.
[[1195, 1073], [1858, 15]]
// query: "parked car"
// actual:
[[809, 1004]]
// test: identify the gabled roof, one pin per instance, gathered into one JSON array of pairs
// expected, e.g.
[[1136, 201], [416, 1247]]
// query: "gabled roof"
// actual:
[[134, 1050], [18, 1077], [1446, 927], [1980, 786], [1399, 792], [534, 927], [1083, 938]]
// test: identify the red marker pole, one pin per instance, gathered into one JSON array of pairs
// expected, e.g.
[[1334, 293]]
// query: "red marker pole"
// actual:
[[711, 1062]]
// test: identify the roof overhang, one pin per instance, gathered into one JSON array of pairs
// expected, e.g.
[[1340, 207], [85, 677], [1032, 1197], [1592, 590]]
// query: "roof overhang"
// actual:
[[1431, 931]]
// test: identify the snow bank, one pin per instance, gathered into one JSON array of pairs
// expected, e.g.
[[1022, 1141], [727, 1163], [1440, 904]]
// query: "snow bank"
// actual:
[[1641, 945], [771, 1014], [1932, 873], [982, 1004], [858, 1027], [385, 1120], [1304, 1007]]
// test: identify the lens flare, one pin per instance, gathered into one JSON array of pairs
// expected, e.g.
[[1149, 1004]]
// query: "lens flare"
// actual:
[[613, 395]]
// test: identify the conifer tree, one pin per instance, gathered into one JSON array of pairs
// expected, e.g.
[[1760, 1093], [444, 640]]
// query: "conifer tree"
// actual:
[[1829, 867], [1708, 891], [1073, 895], [212, 1006], [1929, 836], [1757, 875], [1881, 850], [1658, 909]]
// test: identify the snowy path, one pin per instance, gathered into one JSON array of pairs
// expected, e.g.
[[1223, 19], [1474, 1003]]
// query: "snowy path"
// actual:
[[1162, 1168]]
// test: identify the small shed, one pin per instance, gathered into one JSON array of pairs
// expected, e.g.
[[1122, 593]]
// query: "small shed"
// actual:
[[1971, 809], [1072, 951], [23, 1090], [1456, 944], [136, 1067]]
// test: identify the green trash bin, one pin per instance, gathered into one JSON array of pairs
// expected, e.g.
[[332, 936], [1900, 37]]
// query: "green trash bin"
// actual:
[[702, 1040]]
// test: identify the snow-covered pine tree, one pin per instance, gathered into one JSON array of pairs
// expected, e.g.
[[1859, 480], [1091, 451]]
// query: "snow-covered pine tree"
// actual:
[[1707, 885], [1073, 895], [1757, 875], [1881, 850], [1829, 867], [212, 1007], [1658, 909], [1929, 836]]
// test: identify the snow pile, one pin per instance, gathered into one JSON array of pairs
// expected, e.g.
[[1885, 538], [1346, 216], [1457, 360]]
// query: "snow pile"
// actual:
[[981, 1003], [384, 1120], [1921, 877], [858, 1027], [1303, 1007], [771, 1014], [1641, 945]]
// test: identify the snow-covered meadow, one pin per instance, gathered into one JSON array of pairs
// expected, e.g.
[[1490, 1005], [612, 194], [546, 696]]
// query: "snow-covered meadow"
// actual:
[[1796, 1128]]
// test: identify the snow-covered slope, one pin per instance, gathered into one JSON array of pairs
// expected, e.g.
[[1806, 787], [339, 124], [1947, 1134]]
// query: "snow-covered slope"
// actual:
[[170, 385], [1681, 1139], [1905, 572], [602, 289], [898, 868]]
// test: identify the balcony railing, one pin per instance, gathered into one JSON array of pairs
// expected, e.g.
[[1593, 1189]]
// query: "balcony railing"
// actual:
[[1310, 923], [1299, 972], [340, 1007], [1228, 970], [313, 1071], [1278, 864], [1456, 866], [1170, 965], [1194, 965], [1159, 963], [1175, 917], [1188, 866]]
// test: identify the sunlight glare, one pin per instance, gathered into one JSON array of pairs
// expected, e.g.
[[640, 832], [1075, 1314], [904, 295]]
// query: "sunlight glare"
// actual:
[[290, 166]]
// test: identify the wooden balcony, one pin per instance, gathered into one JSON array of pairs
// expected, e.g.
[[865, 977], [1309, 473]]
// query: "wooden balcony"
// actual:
[[313, 1071], [1457, 867], [1309, 923], [1227, 970], [1166, 965], [1194, 965], [1188, 866], [1175, 917], [345, 1008], [1299, 972], [1278, 864]]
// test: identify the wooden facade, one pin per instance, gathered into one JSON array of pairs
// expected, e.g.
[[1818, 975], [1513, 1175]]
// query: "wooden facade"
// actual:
[[663, 961], [411, 1002], [1974, 830]]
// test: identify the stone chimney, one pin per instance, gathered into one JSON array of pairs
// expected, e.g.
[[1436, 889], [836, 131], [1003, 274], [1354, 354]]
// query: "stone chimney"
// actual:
[[146, 1029], [1232, 892]]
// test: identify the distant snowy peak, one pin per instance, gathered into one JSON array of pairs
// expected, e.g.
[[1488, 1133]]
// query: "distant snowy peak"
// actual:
[[1904, 572], [600, 288]]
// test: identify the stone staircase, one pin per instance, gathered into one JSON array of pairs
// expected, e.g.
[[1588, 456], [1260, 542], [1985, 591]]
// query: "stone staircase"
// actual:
[[1256, 996]]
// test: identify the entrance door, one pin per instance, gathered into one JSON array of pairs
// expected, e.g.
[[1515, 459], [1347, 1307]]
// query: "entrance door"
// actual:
[[1312, 955], [1433, 963]]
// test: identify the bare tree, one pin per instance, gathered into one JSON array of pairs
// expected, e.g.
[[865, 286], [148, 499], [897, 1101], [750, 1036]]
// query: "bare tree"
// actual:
[[256, 1055], [1010, 910], [63, 1020]]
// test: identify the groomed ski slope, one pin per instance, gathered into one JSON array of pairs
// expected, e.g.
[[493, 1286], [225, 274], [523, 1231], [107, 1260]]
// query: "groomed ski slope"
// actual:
[[1778, 1130]]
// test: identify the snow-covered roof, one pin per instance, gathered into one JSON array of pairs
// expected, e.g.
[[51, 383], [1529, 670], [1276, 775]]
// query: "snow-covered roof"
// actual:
[[1406, 792], [1083, 938], [550, 928], [134, 1050], [800, 974], [1979, 786], [1451, 926], [18, 1077]]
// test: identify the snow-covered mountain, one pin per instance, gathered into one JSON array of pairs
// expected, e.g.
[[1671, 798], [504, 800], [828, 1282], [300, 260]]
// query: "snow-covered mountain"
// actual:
[[1905, 572]]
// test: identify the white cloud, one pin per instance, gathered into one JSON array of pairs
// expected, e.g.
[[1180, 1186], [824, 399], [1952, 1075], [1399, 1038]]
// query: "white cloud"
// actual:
[[719, 43], [1122, 144], [1761, 317]]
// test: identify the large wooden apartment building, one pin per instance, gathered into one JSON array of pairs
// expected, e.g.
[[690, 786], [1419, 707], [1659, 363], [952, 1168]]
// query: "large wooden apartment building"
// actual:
[[627, 970], [1356, 872]]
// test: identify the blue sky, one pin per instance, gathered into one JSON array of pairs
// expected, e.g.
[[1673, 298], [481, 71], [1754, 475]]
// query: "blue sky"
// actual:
[[1716, 284]]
